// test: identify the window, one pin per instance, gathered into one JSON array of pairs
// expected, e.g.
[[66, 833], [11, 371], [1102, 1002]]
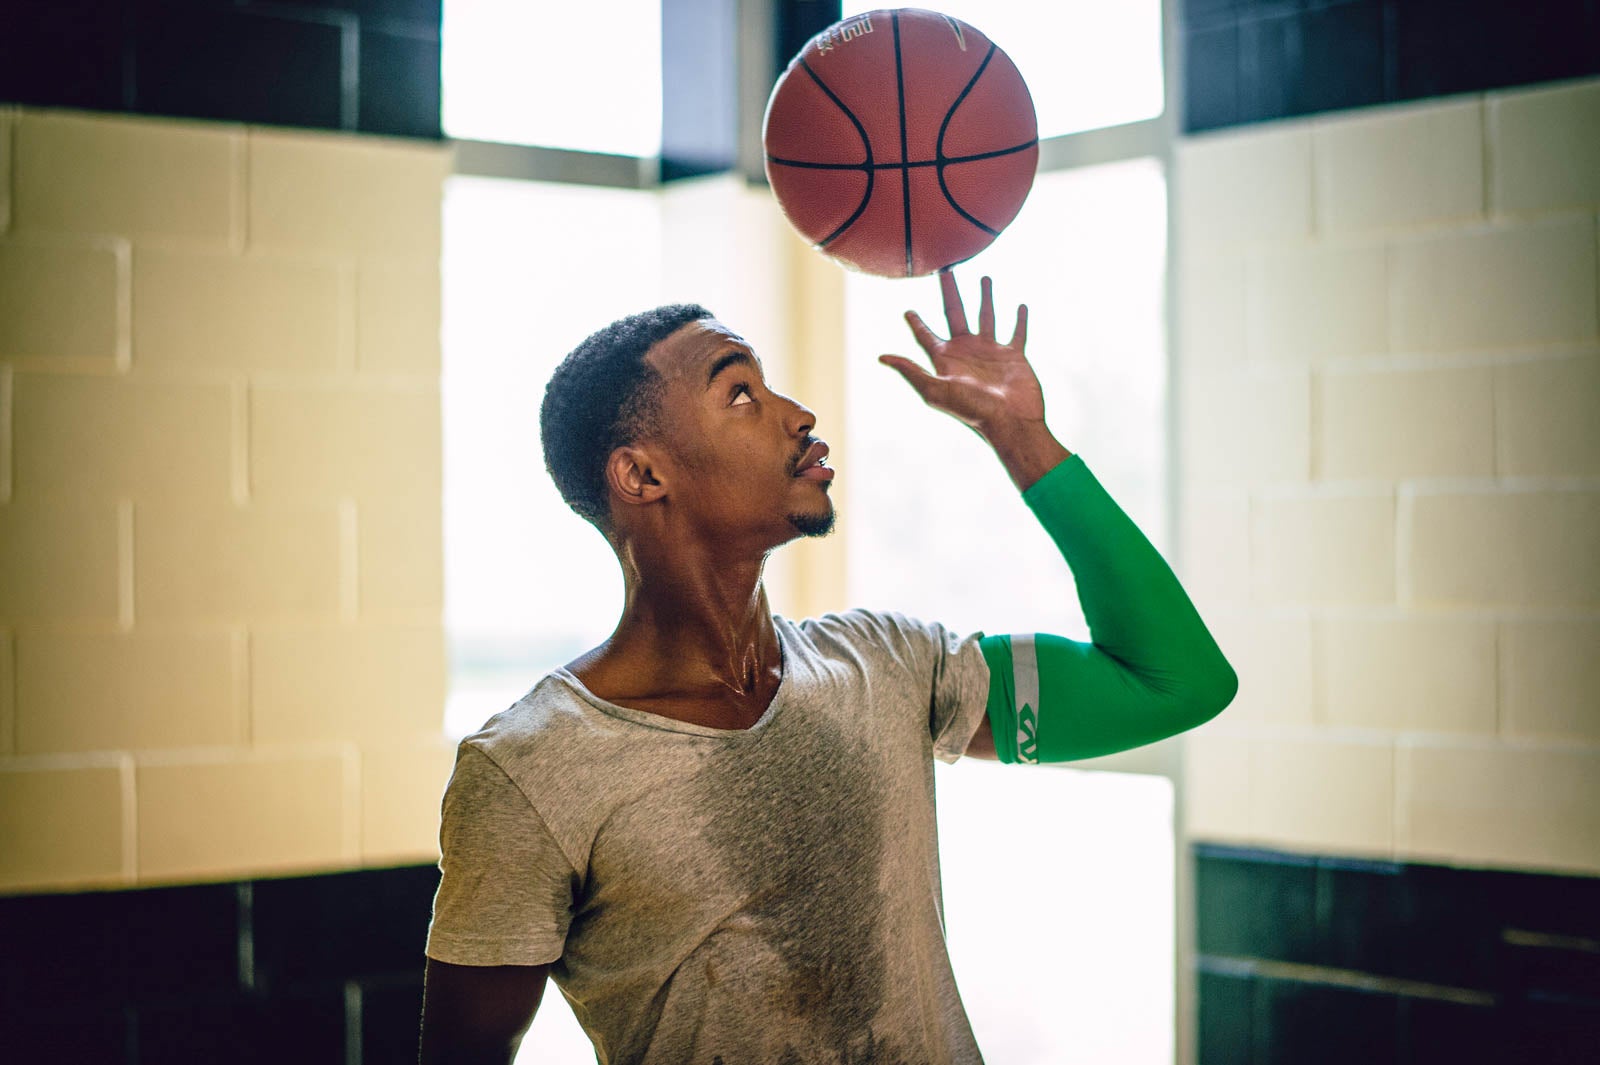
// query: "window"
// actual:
[[511, 311], [556, 75], [531, 267], [1088, 64]]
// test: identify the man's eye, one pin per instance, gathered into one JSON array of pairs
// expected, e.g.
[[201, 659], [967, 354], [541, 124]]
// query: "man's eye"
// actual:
[[741, 394]]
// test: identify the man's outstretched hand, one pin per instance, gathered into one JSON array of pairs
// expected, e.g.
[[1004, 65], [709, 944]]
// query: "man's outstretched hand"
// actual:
[[984, 383], [975, 377]]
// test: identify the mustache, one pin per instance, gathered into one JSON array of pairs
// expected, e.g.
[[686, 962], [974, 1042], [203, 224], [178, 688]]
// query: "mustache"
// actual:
[[805, 445]]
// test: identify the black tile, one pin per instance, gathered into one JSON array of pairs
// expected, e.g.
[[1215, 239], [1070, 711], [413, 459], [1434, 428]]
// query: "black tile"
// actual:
[[1549, 904], [62, 53], [1256, 905], [343, 926], [1456, 46], [1225, 1014], [1555, 969], [1434, 1031], [1361, 911], [1269, 67], [238, 65], [63, 949], [1211, 77], [1197, 14], [1448, 927], [391, 1019], [1312, 1024], [417, 13], [183, 940], [98, 1036], [1552, 1032], [1342, 57], [399, 86], [303, 1028]]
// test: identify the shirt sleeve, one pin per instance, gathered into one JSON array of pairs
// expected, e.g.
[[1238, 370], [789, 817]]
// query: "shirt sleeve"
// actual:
[[506, 892], [945, 667], [960, 691]]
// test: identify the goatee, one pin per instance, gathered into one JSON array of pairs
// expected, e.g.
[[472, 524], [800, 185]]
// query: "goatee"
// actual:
[[813, 525]]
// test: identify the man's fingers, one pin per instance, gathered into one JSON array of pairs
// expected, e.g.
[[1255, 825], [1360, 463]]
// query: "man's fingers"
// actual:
[[1019, 335], [926, 338], [986, 309], [955, 315], [915, 376]]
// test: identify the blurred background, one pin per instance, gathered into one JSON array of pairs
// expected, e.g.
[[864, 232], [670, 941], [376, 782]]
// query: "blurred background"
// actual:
[[1314, 292]]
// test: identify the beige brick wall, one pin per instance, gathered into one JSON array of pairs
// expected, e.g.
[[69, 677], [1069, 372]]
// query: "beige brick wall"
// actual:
[[1388, 398], [221, 592]]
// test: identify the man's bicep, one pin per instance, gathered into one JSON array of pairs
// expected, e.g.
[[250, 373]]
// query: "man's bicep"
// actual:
[[474, 1014], [1052, 699], [507, 889], [982, 743]]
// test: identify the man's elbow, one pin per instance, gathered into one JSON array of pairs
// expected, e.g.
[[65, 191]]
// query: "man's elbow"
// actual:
[[1212, 691]]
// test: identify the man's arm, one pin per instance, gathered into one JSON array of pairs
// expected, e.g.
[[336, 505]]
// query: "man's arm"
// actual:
[[477, 1015], [1152, 669]]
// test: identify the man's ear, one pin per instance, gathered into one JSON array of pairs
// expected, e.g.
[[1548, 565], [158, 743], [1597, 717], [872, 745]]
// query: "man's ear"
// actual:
[[634, 476]]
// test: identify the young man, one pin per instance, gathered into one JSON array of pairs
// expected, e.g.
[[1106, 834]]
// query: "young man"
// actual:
[[716, 829]]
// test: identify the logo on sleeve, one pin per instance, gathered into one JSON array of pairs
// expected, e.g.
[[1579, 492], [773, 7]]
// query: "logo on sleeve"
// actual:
[[1028, 735]]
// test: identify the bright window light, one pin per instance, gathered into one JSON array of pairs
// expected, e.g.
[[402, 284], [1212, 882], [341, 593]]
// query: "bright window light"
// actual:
[[528, 586], [1074, 963], [1087, 255], [554, 75], [1088, 64]]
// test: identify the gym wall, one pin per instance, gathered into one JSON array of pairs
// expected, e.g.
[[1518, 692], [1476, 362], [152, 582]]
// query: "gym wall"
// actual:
[[222, 658], [223, 570], [1388, 377]]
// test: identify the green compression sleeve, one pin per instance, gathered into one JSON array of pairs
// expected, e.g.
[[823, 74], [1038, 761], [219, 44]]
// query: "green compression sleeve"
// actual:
[[1152, 669]]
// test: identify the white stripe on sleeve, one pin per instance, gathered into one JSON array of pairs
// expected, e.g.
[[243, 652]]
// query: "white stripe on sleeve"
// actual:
[[1025, 678]]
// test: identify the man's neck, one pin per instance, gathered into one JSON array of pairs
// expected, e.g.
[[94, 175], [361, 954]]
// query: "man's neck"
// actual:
[[689, 633]]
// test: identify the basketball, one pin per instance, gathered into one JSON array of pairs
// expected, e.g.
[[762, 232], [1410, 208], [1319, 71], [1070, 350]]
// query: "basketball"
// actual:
[[900, 142]]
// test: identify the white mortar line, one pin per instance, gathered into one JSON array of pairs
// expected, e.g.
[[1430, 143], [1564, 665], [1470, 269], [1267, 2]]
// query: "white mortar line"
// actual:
[[1360, 981]]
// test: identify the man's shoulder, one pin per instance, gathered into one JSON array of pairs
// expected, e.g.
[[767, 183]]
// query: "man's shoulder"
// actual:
[[862, 623], [549, 706], [881, 637]]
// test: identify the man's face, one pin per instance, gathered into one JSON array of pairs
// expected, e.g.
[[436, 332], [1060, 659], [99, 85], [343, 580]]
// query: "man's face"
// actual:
[[741, 456]]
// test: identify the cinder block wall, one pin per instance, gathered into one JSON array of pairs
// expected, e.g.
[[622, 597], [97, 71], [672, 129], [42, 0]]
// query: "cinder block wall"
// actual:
[[221, 642], [1389, 398]]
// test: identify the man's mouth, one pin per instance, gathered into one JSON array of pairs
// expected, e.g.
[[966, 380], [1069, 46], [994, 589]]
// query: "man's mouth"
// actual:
[[813, 463]]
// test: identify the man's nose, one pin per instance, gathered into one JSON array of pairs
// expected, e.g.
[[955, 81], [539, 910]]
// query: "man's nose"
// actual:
[[800, 421]]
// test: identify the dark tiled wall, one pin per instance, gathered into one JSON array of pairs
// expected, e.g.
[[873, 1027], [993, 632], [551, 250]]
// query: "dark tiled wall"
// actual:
[[309, 970], [358, 65], [1305, 960], [1254, 60]]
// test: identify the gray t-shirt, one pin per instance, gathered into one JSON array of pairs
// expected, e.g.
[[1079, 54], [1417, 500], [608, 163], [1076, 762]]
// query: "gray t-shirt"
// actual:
[[762, 896]]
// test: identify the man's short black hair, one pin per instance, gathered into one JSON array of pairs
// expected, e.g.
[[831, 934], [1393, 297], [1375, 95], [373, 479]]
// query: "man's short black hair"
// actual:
[[602, 396]]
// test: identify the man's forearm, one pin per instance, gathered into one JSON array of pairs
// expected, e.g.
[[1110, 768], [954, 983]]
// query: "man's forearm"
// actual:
[[1152, 670]]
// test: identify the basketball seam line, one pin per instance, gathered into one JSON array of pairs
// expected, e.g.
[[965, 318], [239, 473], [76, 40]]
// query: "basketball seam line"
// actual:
[[866, 144], [949, 160], [905, 153], [938, 148]]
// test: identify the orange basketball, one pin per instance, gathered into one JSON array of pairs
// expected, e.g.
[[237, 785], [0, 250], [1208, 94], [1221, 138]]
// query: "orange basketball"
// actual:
[[900, 142]]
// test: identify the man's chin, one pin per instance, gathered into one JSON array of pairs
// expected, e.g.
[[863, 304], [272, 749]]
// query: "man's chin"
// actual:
[[813, 525]]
